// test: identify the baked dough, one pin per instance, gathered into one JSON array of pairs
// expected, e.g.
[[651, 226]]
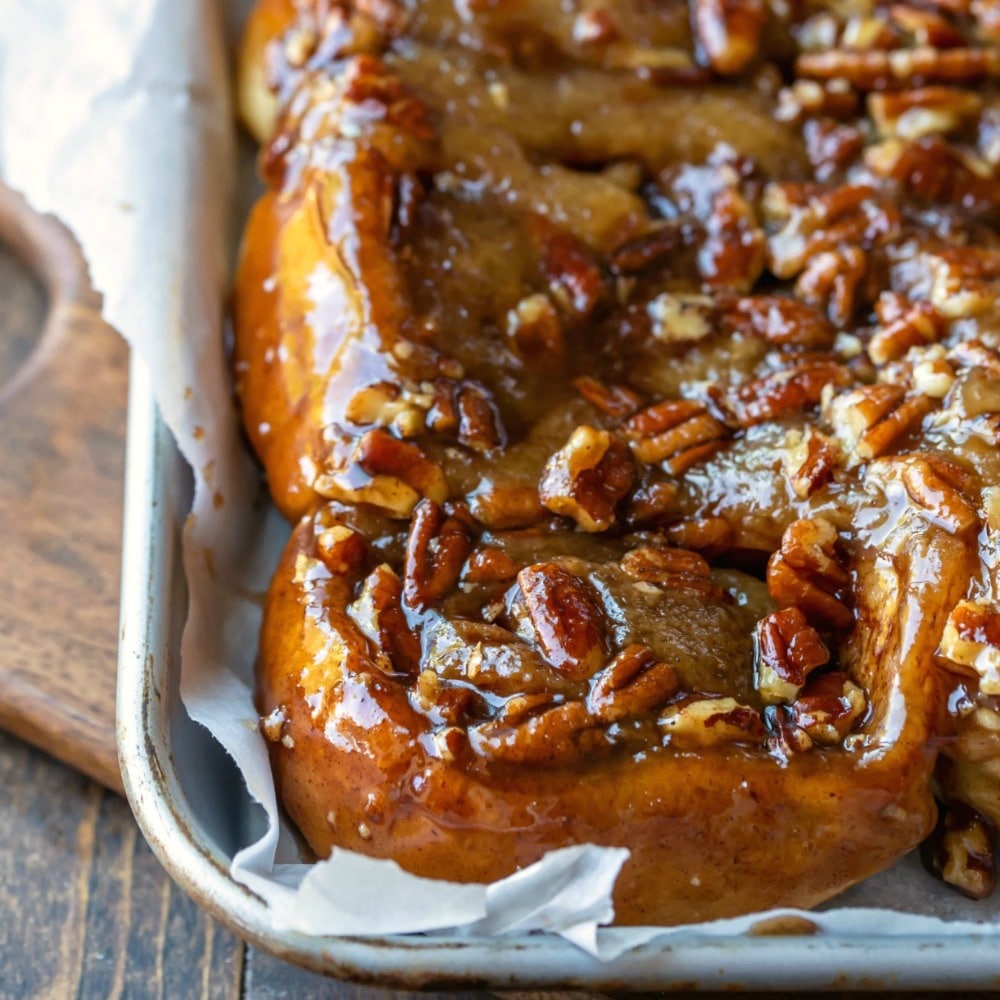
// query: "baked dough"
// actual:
[[638, 412]]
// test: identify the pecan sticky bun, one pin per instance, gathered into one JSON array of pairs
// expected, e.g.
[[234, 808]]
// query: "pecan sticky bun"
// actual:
[[631, 373]]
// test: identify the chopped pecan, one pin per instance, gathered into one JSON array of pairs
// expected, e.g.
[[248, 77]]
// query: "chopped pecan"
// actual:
[[587, 478], [876, 69], [341, 549], [675, 569], [806, 573], [828, 708], [676, 433], [849, 215], [871, 420], [435, 552], [778, 320], [642, 251], [920, 324], [965, 281], [501, 506], [975, 354], [711, 722], [651, 503], [928, 371], [971, 639], [809, 99], [567, 618], [378, 612], [399, 475], [788, 390], [617, 401], [786, 649], [490, 565], [594, 27], [961, 851], [445, 702], [574, 279], [732, 255], [536, 329], [832, 146], [680, 318], [706, 534], [810, 459], [558, 734], [830, 281], [912, 114], [729, 32], [633, 683], [389, 405]]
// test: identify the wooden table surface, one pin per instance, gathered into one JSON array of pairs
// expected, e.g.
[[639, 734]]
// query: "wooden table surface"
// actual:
[[85, 909]]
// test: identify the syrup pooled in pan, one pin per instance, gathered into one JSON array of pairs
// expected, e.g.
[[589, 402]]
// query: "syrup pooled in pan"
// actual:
[[632, 372]]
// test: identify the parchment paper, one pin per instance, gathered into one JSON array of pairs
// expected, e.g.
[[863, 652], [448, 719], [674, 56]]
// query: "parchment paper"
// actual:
[[115, 116]]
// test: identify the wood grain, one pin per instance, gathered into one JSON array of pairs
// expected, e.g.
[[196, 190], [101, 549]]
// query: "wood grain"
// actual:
[[62, 424]]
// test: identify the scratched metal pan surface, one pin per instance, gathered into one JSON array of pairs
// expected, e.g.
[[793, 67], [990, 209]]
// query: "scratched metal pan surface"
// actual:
[[193, 810]]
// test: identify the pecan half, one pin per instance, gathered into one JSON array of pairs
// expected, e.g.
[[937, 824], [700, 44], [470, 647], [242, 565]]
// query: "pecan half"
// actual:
[[786, 649], [961, 851], [788, 390], [806, 573], [933, 171], [706, 534], [575, 281], [490, 565], [558, 734], [587, 478], [912, 114], [938, 487], [617, 401], [729, 32], [567, 618], [971, 639], [674, 433], [876, 69], [675, 569], [634, 683], [378, 612], [871, 420], [467, 411], [435, 552], [711, 722], [778, 320], [965, 280]]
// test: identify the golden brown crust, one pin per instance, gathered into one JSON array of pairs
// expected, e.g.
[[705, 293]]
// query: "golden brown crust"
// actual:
[[644, 472]]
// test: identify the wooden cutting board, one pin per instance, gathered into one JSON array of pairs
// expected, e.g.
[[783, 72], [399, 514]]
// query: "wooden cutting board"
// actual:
[[63, 377]]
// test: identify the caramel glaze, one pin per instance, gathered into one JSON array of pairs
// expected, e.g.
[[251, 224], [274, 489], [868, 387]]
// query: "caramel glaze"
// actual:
[[547, 379]]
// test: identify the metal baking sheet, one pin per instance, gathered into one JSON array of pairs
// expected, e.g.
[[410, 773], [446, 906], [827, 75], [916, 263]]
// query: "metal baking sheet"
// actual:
[[192, 808]]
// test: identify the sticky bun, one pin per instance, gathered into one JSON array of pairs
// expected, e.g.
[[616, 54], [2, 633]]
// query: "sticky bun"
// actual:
[[631, 374]]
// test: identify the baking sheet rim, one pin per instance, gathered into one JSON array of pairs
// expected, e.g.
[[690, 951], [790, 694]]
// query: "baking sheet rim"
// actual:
[[151, 558]]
